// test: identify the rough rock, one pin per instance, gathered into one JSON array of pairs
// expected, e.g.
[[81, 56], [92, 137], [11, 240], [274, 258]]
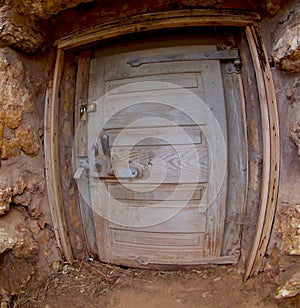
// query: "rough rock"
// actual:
[[16, 236], [25, 140], [6, 240], [291, 287], [5, 199], [271, 7], [14, 275], [44, 9], [19, 32], [18, 252], [16, 137], [289, 227], [295, 135], [7, 192], [286, 51], [22, 183]]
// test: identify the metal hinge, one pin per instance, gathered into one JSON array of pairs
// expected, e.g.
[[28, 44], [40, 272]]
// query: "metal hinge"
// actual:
[[234, 67]]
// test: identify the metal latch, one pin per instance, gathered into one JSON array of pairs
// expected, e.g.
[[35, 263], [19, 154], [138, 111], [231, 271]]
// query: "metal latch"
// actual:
[[85, 109], [82, 166]]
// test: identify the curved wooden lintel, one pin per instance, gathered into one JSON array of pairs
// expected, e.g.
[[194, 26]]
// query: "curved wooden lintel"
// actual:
[[158, 21]]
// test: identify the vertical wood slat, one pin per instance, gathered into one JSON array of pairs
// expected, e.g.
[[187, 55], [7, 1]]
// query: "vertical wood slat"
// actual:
[[81, 91], [81, 99], [237, 162], [80, 130], [271, 155], [52, 159]]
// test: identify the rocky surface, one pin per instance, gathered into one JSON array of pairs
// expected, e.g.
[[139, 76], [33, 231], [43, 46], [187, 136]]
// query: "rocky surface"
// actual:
[[271, 7], [20, 249], [286, 51], [18, 31], [289, 227], [26, 240], [291, 287], [45, 9], [295, 135], [16, 137]]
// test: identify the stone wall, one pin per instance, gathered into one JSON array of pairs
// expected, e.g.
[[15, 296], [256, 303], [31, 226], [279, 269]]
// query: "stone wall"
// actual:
[[26, 238], [282, 34], [27, 32]]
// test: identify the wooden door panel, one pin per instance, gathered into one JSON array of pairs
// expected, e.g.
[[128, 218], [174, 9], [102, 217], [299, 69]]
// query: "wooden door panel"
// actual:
[[152, 239], [183, 163], [154, 135], [148, 110], [150, 194], [186, 80], [187, 220], [177, 256]]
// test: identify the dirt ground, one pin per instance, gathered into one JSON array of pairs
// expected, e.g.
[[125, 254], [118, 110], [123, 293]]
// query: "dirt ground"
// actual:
[[93, 284]]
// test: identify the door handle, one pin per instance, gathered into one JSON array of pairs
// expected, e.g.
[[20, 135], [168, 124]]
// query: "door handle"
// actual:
[[106, 166], [106, 152], [105, 146]]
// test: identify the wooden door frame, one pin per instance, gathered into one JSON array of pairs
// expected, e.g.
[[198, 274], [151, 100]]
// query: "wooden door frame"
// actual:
[[161, 21]]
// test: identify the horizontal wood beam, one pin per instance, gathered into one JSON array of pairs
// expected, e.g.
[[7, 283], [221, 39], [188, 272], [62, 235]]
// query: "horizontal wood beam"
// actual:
[[158, 21]]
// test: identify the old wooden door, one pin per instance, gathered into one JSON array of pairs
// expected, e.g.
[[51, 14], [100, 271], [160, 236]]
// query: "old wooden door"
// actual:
[[157, 140]]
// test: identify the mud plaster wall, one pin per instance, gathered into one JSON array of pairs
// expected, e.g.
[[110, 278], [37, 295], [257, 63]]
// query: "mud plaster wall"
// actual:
[[28, 30]]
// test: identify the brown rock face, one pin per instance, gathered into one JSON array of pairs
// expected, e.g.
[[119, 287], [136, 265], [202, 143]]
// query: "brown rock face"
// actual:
[[271, 7], [286, 51], [8, 191], [295, 135], [46, 8], [18, 31], [291, 287], [15, 100], [289, 228]]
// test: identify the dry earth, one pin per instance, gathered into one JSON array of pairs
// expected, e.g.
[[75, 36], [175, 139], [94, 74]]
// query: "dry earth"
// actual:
[[93, 284]]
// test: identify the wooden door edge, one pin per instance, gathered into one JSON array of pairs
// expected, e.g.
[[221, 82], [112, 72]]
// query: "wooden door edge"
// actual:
[[52, 166], [271, 152]]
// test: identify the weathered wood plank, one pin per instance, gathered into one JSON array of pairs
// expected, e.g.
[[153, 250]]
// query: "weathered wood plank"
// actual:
[[52, 160], [80, 125], [134, 192], [158, 21], [154, 240], [271, 152], [152, 136], [237, 162], [186, 220], [217, 189], [126, 116], [167, 164], [82, 81]]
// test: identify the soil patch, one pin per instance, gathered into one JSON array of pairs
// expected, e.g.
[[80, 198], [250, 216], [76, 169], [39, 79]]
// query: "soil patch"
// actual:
[[94, 284]]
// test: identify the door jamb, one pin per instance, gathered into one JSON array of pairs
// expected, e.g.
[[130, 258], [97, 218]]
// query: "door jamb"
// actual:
[[160, 21]]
